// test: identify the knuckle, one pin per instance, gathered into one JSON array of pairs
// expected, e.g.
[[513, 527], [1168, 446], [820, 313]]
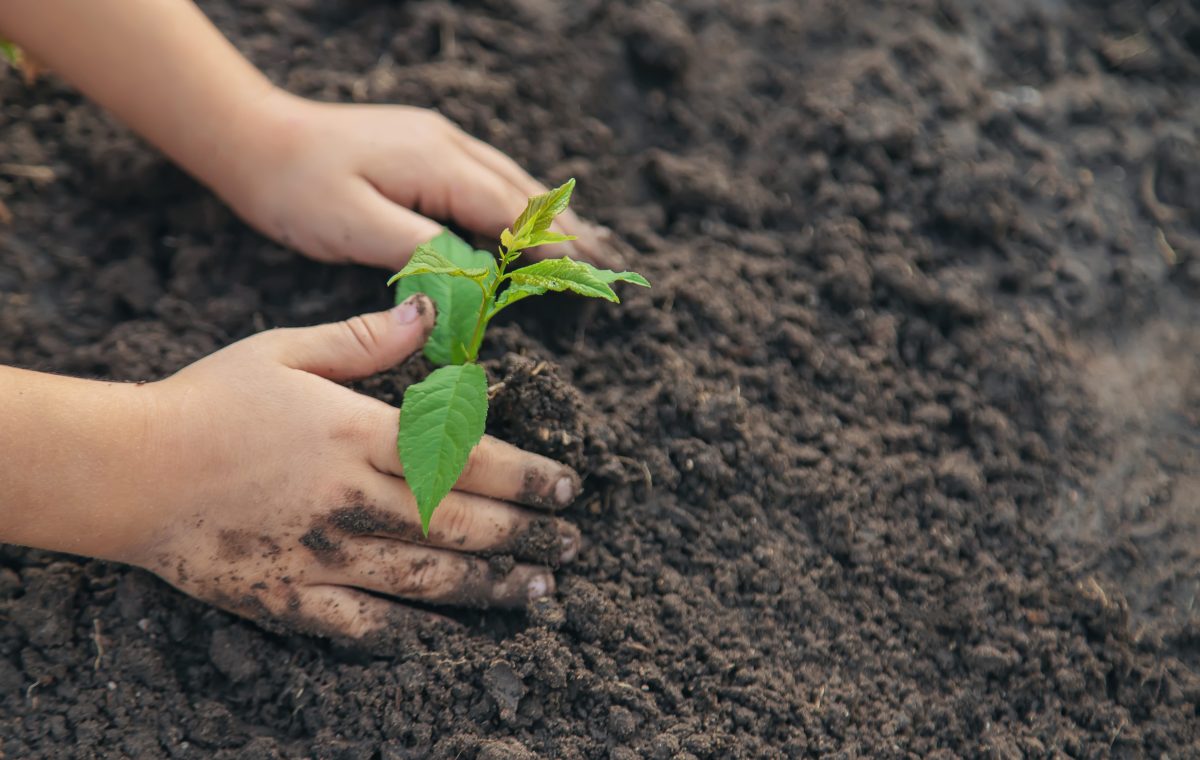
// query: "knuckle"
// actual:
[[320, 245], [346, 614], [459, 522], [426, 578], [354, 617], [478, 464], [360, 331], [356, 425], [358, 626]]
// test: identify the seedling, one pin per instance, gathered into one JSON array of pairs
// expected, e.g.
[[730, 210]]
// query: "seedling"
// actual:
[[443, 416]]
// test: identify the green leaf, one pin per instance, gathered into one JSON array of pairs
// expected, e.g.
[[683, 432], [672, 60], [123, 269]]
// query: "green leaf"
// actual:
[[458, 300], [427, 260], [565, 274], [441, 420], [547, 238], [514, 293], [539, 213], [609, 277]]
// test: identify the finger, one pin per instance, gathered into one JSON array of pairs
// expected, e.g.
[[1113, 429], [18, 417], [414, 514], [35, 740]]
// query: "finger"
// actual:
[[339, 611], [435, 576], [477, 196], [454, 187], [463, 522], [359, 346], [480, 199], [495, 468], [500, 470], [385, 233], [595, 244]]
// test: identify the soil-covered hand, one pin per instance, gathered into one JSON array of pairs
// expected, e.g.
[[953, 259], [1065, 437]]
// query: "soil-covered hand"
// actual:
[[276, 493], [363, 183]]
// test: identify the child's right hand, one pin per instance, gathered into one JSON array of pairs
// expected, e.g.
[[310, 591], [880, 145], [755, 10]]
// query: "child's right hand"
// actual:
[[275, 493]]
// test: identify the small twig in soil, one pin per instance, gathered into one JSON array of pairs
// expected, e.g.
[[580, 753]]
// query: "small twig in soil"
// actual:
[[40, 175], [1161, 212], [1165, 248], [1099, 591], [645, 469], [41, 681], [98, 640], [1120, 52]]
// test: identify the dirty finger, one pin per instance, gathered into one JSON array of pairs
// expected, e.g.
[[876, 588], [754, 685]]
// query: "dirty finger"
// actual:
[[495, 468], [342, 612], [384, 506], [436, 576]]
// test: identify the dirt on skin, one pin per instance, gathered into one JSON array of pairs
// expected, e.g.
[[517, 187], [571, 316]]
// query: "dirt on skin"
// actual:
[[897, 458]]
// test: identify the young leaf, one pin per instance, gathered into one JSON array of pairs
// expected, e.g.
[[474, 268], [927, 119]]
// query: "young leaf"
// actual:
[[539, 213], [565, 274], [441, 420], [457, 299], [426, 260], [546, 238]]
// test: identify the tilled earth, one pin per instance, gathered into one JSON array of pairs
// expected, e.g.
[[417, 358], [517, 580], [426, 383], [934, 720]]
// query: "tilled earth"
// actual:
[[899, 457]]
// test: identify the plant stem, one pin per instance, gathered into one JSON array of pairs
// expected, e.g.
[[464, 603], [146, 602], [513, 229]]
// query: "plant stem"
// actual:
[[489, 298]]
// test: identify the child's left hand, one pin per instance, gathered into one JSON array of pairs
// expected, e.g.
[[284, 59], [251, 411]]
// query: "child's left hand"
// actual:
[[362, 183]]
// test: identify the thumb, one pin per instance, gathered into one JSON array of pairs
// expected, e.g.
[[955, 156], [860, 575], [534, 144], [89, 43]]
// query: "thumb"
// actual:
[[362, 345]]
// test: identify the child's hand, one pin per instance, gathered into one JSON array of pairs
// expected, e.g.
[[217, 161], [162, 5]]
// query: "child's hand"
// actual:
[[364, 183], [276, 493], [338, 182]]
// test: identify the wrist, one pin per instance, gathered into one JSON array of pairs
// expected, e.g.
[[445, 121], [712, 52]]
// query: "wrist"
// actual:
[[231, 160], [264, 135], [74, 472]]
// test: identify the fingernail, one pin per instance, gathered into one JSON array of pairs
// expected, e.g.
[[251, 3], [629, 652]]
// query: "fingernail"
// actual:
[[539, 586], [570, 546], [410, 310], [565, 490]]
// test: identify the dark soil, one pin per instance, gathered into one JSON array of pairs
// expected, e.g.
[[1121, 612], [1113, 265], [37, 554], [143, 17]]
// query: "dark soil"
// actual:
[[898, 458]]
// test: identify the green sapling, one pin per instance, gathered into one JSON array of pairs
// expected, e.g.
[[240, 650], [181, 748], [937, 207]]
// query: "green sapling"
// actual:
[[443, 416]]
